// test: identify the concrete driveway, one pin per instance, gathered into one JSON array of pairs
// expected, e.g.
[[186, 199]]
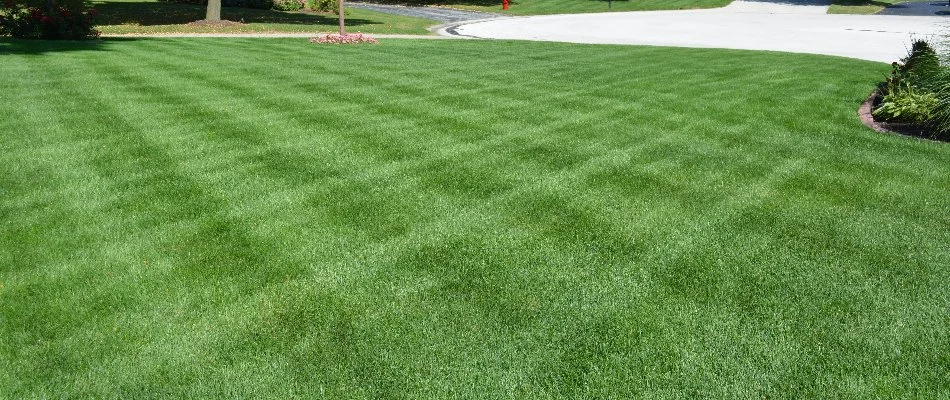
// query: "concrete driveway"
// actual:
[[741, 25]]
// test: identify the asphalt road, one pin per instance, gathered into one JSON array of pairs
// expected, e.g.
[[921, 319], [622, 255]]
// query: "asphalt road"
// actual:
[[918, 8]]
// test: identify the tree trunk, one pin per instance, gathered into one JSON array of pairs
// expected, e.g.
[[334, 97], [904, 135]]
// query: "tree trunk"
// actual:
[[214, 10], [342, 29]]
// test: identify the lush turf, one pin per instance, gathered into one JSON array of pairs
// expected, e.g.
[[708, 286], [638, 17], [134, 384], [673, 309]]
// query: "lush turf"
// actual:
[[151, 17], [536, 7], [251, 219]]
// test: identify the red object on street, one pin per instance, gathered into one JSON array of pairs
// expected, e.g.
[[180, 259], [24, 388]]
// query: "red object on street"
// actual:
[[504, 4]]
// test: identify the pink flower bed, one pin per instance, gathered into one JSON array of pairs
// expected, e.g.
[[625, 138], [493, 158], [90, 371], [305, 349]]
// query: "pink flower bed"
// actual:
[[349, 38]]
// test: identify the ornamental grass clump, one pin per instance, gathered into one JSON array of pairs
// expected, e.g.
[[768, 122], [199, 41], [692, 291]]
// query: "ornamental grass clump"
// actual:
[[349, 38]]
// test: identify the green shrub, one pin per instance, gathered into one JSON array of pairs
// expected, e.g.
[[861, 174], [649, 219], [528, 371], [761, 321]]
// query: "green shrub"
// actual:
[[65, 21], [918, 92], [922, 60], [324, 5], [906, 104], [289, 5], [919, 69]]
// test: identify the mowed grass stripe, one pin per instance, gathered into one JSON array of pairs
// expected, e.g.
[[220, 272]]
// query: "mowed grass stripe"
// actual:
[[213, 345], [176, 334], [49, 286], [135, 158], [231, 123], [697, 245], [203, 346], [219, 83], [406, 111]]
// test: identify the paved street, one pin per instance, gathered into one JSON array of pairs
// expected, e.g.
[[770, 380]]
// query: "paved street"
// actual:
[[920, 8]]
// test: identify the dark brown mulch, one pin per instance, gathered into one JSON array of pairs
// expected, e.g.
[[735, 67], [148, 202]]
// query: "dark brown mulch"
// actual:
[[215, 24], [865, 112]]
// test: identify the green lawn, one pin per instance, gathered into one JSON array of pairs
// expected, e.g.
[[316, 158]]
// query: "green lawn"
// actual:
[[150, 17], [245, 218], [536, 7]]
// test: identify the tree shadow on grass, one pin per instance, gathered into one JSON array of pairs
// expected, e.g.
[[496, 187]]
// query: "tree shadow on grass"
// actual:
[[160, 13], [40, 47]]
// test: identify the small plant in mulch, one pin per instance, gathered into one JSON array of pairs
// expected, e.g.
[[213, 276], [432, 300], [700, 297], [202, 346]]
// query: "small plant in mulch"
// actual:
[[350, 38], [905, 104]]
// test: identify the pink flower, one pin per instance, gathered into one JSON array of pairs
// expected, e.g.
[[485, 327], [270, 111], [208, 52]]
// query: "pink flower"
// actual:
[[358, 38]]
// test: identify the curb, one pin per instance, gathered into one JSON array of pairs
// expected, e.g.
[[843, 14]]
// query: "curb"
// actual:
[[867, 118], [449, 29]]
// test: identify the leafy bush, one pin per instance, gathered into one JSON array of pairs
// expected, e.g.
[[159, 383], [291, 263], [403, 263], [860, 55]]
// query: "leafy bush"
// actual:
[[324, 5], [63, 22], [918, 92], [289, 5], [922, 62], [919, 69], [905, 104]]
